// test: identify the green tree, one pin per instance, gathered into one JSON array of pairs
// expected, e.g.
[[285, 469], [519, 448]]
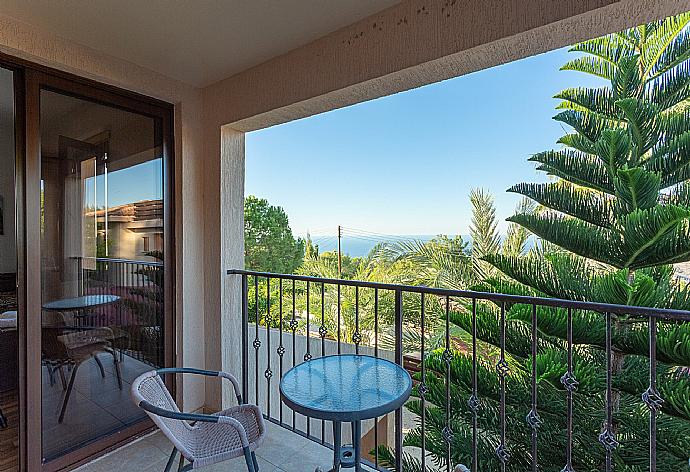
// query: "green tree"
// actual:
[[268, 240], [484, 231], [613, 222], [311, 250]]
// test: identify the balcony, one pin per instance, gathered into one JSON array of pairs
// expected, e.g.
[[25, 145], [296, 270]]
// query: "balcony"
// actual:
[[425, 330]]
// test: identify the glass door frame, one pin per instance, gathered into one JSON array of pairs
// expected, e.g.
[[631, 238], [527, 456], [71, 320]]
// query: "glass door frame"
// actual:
[[29, 80]]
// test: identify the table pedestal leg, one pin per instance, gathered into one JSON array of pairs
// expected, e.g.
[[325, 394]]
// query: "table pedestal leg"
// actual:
[[346, 456], [336, 445], [356, 442]]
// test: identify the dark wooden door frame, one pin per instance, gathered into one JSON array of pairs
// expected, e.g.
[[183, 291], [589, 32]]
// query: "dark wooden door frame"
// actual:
[[29, 80]]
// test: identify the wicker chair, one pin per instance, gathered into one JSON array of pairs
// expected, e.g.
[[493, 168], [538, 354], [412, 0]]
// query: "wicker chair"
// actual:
[[201, 439]]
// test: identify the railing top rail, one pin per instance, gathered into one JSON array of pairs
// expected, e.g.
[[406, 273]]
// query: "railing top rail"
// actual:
[[683, 315]]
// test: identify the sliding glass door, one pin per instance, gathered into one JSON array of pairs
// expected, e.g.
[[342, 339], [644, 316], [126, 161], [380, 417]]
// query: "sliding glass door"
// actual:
[[98, 257], [86, 263]]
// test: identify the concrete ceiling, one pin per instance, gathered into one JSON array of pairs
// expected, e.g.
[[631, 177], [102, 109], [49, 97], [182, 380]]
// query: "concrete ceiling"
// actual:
[[194, 41]]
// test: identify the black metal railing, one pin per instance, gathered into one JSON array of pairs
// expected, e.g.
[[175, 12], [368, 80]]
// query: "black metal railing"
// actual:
[[137, 317], [289, 319]]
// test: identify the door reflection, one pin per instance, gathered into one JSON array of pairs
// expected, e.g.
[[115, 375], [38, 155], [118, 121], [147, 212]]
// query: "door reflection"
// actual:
[[102, 266]]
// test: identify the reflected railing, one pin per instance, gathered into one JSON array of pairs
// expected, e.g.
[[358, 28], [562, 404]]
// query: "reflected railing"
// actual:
[[138, 315]]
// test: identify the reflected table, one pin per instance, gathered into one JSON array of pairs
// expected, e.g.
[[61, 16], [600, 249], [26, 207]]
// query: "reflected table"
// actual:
[[346, 388], [80, 303]]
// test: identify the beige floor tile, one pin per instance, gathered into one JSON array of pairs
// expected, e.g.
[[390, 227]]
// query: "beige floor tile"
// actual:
[[283, 451]]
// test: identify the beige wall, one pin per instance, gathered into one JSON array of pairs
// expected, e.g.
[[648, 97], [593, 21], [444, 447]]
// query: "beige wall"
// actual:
[[409, 45]]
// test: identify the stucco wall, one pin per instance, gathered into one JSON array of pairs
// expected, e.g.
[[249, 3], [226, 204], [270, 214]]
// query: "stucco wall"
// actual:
[[411, 44]]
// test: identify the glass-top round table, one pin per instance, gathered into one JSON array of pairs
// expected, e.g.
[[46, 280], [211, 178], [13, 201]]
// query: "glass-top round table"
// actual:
[[346, 388]]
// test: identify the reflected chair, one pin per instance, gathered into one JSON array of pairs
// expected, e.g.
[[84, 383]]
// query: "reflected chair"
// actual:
[[201, 439], [65, 346]]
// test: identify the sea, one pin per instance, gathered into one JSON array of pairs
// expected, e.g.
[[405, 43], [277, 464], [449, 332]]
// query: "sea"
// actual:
[[360, 246]]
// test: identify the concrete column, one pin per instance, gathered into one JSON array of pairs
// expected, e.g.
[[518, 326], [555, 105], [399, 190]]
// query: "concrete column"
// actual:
[[189, 221], [232, 252], [224, 249]]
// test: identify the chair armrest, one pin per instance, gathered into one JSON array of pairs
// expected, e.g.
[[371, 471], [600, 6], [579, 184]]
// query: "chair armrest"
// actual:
[[197, 417], [235, 385], [209, 373]]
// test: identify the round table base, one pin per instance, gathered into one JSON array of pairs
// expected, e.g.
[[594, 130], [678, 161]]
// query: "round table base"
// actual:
[[346, 457]]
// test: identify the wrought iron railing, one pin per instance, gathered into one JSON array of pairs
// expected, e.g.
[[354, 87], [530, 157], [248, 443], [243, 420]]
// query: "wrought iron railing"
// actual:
[[137, 317], [289, 319]]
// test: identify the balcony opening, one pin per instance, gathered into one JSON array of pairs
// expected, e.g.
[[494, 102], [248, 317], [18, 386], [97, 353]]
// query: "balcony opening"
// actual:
[[542, 325]]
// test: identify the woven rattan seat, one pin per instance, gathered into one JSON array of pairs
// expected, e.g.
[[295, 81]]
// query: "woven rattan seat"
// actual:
[[201, 439]]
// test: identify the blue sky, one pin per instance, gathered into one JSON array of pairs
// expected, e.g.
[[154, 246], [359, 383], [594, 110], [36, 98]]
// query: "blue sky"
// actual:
[[405, 164], [132, 184]]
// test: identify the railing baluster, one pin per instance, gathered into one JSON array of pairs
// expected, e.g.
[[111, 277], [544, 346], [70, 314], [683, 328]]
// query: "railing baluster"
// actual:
[[607, 438], [533, 418], [257, 341], [356, 337], [268, 373], [307, 356], [474, 398], [376, 354], [339, 333], [293, 327], [651, 396], [570, 384], [447, 357], [322, 334], [245, 339], [399, 361], [281, 348], [422, 387], [502, 369]]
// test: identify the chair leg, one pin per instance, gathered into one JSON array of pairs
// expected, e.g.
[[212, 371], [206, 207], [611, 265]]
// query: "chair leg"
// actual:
[[100, 365], [63, 380], [249, 459], [180, 467], [171, 460], [51, 375], [68, 393], [256, 463], [118, 370]]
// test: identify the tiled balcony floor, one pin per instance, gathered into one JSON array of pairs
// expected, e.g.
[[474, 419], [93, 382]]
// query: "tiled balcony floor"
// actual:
[[283, 451]]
